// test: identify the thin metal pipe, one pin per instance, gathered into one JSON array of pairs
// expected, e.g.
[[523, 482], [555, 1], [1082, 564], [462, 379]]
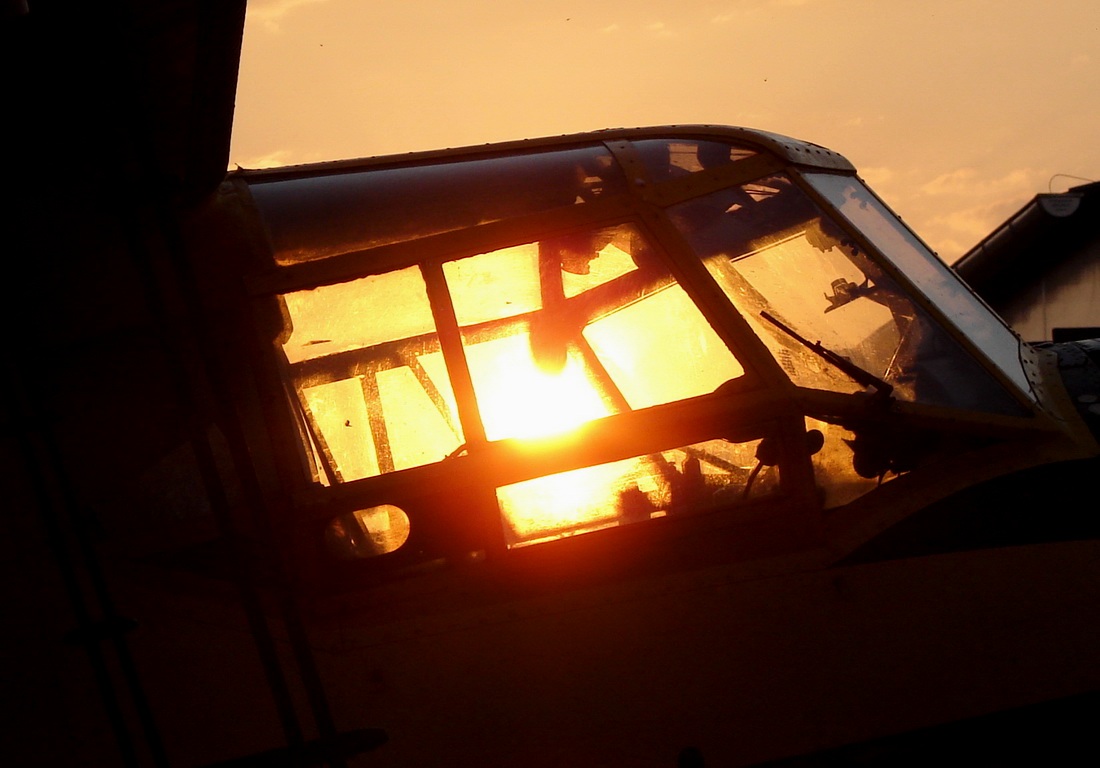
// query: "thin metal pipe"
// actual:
[[39, 453], [250, 482]]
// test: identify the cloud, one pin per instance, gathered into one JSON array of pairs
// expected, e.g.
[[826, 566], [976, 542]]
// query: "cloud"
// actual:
[[270, 13], [963, 206], [965, 227], [877, 176], [968, 183], [659, 29], [745, 9], [276, 159], [859, 121]]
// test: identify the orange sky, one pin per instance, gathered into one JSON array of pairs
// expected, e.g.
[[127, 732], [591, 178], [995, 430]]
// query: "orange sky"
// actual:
[[956, 111]]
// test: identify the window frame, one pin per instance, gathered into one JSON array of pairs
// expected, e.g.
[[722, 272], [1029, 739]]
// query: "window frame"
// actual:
[[751, 410]]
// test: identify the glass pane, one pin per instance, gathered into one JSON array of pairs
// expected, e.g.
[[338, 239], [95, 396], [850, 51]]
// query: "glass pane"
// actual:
[[661, 349], [793, 272], [339, 420], [574, 328], [495, 285], [669, 159], [791, 279], [316, 217], [420, 429], [928, 273], [519, 398], [365, 363], [346, 316], [368, 532], [698, 478], [591, 259], [835, 467]]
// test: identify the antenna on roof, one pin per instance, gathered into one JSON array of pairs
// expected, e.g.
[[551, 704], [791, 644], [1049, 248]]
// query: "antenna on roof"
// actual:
[[1050, 184]]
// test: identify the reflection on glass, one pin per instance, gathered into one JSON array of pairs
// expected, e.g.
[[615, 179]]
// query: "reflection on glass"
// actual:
[[347, 316], [834, 467], [554, 334], [791, 279], [575, 328], [368, 532], [590, 261], [926, 271], [338, 412], [495, 285], [368, 375], [773, 251], [519, 399], [420, 429], [317, 217], [661, 349], [669, 159], [693, 479]]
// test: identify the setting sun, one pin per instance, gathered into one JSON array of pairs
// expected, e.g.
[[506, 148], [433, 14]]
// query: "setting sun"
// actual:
[[519, 399]]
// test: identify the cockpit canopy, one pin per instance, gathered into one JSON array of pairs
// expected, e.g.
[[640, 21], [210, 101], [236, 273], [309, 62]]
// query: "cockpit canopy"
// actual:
[[610, 328]]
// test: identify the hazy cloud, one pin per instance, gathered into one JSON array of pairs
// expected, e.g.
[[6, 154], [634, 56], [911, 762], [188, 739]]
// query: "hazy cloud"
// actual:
[[877, 176], [276, 159], [954, 233], [743, 7], [660, 29], [969, 183], [270, 13], [970, 205], [949, 153], [860, 121]]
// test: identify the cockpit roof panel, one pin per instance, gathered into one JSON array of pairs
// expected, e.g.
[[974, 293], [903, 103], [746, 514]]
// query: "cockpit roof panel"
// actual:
[[732, 194], [790, 150]]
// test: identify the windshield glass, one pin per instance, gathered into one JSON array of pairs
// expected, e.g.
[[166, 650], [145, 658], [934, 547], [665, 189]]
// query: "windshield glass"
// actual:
[[805, 286], [928, 273]]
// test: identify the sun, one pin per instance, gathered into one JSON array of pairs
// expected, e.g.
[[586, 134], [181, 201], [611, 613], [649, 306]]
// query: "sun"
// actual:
[[518, 399]]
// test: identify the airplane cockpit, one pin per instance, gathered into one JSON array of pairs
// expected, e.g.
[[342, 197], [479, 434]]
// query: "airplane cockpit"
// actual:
[[622, 448], [680, 330]]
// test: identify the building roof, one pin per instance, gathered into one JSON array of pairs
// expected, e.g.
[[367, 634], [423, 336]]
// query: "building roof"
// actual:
[[1032, 242]]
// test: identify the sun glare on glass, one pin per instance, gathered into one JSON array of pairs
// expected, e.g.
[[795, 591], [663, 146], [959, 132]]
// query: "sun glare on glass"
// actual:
[[518, 399]]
